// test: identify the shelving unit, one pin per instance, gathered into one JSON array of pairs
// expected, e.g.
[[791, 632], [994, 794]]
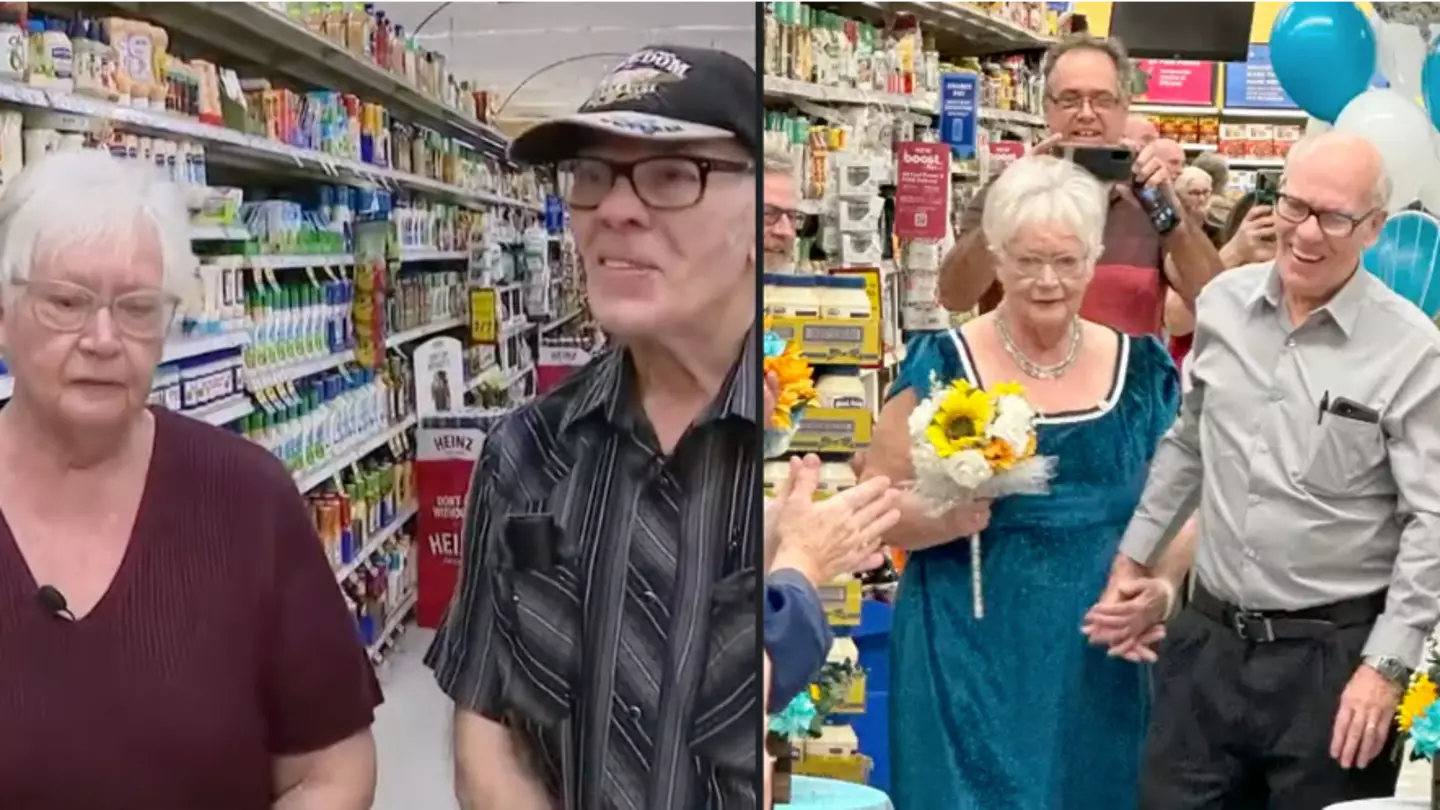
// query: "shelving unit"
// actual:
[[391, 181]]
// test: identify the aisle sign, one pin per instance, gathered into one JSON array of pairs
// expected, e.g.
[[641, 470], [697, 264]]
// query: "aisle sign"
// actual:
[[484, 320], [1168, 81], [1252, 84], [922, 190], [554, 363], [959, 112]]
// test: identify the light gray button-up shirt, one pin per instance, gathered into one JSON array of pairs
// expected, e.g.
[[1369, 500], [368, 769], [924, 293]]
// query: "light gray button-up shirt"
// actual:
[[1298, 509]]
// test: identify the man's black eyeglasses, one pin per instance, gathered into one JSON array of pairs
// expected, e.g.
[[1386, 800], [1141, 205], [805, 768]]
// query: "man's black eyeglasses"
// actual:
[[1332, 223], [665, 183], [774, 213]]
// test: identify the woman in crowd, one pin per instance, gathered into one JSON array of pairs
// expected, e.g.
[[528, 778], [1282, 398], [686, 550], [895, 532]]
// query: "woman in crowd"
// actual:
[[171, 632], [1015, 709], [1193, 186]]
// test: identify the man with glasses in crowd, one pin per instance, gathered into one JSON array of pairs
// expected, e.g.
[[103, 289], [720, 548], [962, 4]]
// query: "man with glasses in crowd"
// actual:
[[1087, 85], [782, 213], [601, 648], [1318, 561]]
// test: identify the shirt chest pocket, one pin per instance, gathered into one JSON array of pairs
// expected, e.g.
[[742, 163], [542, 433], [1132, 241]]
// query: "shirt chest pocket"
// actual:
[[1345, 458], [541, 616]]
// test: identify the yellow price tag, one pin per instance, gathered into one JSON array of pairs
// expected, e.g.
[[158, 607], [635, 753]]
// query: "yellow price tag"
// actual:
[[484, 321]]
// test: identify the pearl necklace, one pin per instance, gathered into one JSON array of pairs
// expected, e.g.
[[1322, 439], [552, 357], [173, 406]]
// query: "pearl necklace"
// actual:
[[1031, 368]]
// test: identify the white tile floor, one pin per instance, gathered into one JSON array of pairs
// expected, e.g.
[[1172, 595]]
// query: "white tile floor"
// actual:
[[412, 732], [412, 735]]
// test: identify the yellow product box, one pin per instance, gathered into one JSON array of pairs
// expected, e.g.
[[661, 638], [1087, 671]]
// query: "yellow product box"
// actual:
[[832, 341], [841, 599], [844, 767], [833, 430], [853, 702]]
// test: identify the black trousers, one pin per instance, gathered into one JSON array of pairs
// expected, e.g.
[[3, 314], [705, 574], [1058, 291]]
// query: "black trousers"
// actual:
[[1240, 724]]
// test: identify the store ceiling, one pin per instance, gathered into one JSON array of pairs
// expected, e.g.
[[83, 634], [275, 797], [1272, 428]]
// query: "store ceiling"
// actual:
[[501, 44]]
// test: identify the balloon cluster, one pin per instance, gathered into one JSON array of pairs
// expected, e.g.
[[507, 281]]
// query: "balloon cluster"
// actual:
[[1326, 56]]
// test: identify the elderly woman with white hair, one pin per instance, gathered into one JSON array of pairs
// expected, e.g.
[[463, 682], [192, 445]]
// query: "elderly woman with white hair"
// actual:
[[170, 631], [1015, 709]]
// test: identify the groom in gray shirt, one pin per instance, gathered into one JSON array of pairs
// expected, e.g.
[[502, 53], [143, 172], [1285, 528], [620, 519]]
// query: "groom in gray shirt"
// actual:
[[1311, 443]]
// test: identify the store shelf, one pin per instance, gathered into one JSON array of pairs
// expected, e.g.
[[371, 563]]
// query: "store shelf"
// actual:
[[428, 255], [555, 323], [187, 347], [958, 28], [358, 449], [1265, 115], [273, 375], [259, 34], [392, 627], [293, 261], [1199, 147], [789, 89], [409, 335], [1016, 117], [375, 542], [219, 233], [252, 148], [1173, 109], [225, 411], [1256, 163]]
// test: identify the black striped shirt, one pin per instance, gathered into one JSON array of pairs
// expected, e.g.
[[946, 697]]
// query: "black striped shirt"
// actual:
[[608, 600]]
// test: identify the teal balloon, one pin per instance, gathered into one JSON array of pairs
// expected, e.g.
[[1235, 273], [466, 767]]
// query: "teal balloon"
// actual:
[[1407, 258], [1323, 54]]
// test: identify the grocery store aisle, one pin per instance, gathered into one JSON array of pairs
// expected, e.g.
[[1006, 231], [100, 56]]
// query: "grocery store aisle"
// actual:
[[412, 732]]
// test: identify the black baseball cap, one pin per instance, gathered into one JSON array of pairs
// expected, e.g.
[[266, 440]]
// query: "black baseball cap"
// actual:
[[666, 93]]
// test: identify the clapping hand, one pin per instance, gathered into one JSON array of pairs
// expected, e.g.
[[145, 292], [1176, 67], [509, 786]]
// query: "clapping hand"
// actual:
[[839, 535], [1130, 616]]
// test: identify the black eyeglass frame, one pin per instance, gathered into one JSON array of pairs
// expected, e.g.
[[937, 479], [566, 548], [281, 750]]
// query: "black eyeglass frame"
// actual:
[[1352, 222], [626, 169]]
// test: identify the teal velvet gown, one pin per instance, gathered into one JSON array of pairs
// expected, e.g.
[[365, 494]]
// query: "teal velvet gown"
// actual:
[[1016, 711]]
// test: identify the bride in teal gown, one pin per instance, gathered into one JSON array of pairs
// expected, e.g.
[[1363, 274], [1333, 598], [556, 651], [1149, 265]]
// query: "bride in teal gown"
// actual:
[[1015, 710]]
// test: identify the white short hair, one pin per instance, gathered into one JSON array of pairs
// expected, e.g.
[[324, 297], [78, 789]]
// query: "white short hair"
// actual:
[[90, 196], [1194, 176], [1380, 193], [1046, 190]]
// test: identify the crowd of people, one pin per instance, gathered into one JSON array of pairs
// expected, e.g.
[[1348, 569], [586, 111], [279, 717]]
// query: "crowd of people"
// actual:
[[1222, 597]]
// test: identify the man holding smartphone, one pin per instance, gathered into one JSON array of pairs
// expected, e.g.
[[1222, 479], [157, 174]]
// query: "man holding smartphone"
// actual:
[[1087, 104]]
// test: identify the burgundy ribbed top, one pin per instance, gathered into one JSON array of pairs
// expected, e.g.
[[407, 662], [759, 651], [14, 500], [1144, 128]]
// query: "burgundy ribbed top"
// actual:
[[222, 642]]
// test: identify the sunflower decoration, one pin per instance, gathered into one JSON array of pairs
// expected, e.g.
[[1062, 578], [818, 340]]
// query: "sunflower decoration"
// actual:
[[797, 390], [1417, 701], [969, 442], [963, 414]]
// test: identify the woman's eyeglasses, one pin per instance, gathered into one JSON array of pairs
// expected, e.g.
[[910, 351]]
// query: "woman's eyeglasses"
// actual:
[[665, 183], [65, 307]]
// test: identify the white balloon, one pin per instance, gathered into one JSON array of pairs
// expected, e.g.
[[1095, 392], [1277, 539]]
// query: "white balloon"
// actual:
[[1400, 55], [1401, 131]]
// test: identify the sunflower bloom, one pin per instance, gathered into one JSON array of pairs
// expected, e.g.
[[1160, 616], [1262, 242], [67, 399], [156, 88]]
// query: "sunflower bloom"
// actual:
[[1418, 698], [960, 419]]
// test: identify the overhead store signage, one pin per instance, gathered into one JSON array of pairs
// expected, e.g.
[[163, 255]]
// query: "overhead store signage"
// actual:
[[922, 186], [1253, 83], [1179, 82], [960, 112]]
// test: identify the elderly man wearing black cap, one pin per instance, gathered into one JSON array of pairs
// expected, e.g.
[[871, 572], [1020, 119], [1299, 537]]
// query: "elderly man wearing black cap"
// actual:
[[601, 648]]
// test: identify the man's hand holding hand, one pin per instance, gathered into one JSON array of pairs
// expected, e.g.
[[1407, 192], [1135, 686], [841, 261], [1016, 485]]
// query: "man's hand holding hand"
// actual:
[[1362, 725]]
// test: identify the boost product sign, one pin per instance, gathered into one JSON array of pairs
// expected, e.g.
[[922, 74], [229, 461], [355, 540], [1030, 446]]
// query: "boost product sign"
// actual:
[[922, 191]]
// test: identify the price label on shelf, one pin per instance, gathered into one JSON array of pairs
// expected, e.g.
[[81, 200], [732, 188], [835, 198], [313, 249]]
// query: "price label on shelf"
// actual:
[[484, 317]]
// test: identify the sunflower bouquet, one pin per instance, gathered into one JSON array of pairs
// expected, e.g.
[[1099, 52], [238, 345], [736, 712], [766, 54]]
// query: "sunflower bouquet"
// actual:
[[967, 443], [797, 390], [1418, 717]]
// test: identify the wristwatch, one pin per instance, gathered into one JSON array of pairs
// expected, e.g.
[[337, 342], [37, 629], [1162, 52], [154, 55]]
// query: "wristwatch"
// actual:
[[1392, 669]]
